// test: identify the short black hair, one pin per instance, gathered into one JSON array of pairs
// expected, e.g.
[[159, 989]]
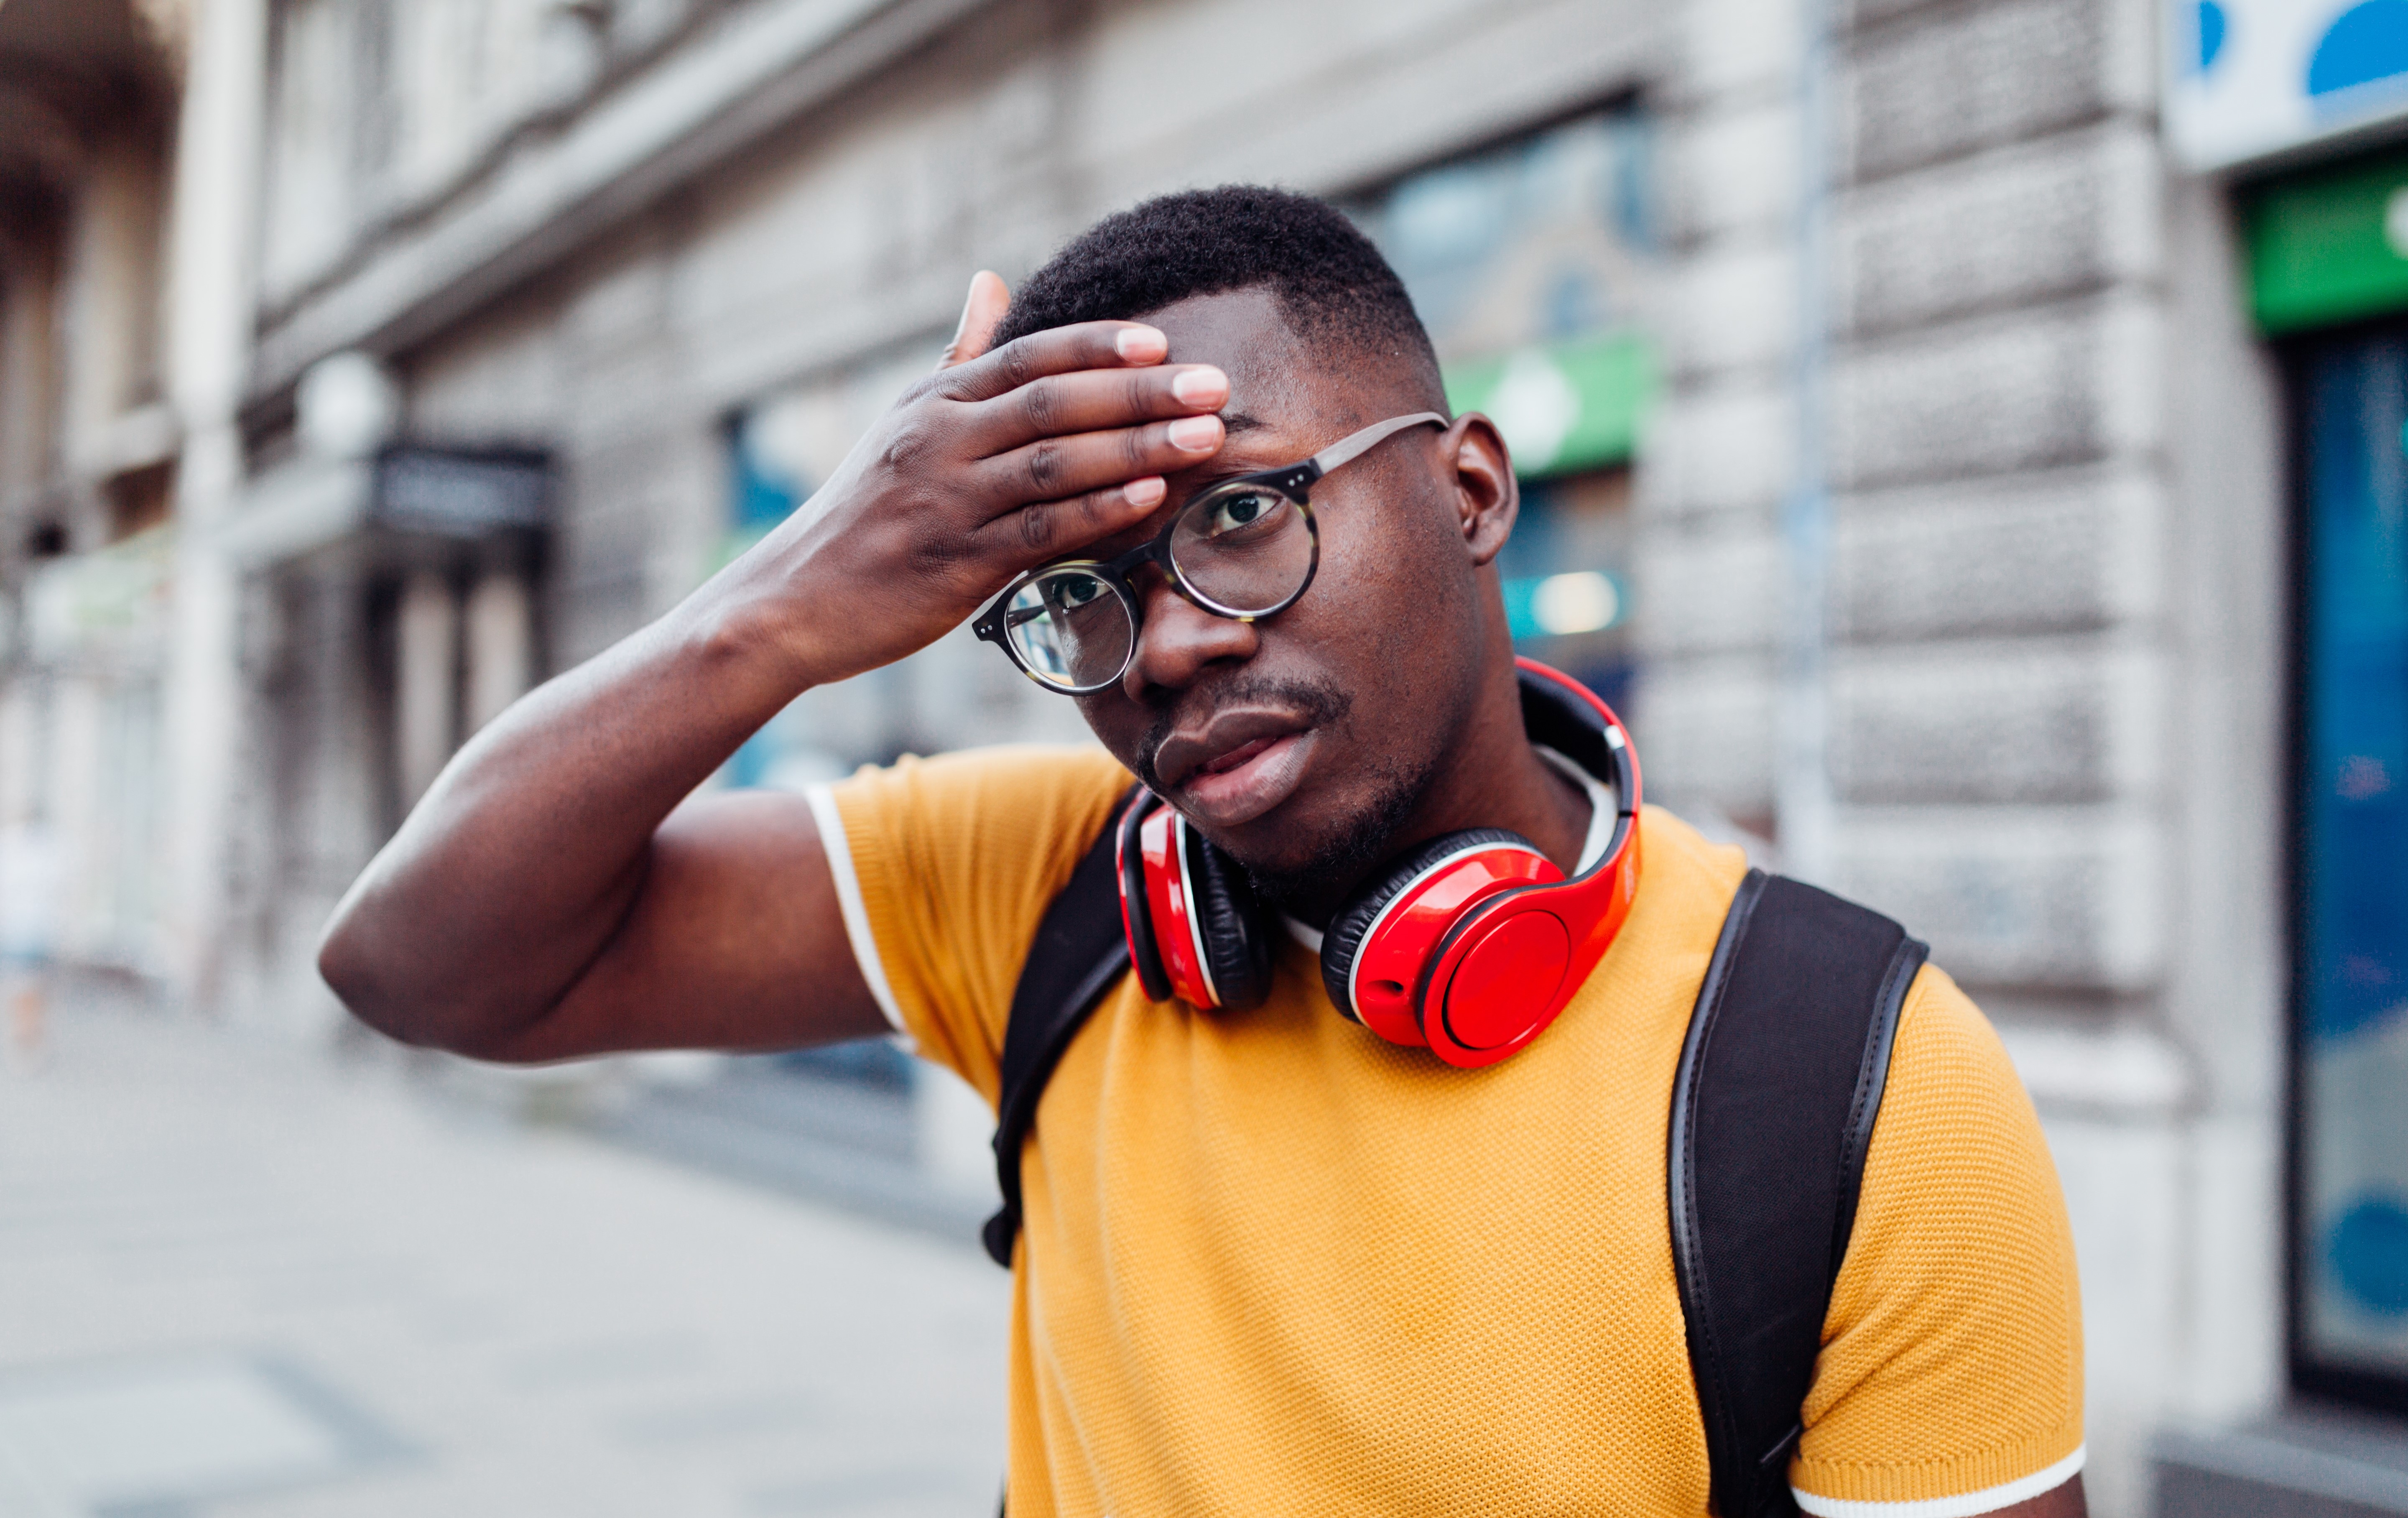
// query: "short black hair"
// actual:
[[1330, 281]]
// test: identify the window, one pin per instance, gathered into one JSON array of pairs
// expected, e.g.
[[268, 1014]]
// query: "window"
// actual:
[[2349, 1244], [1529, 263], [780, 448]]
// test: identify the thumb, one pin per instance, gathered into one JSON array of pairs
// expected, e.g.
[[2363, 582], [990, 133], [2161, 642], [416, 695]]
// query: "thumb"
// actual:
[[989, 299]]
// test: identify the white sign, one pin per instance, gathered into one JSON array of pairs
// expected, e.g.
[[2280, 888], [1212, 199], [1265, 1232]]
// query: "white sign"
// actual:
[[2249, 79]]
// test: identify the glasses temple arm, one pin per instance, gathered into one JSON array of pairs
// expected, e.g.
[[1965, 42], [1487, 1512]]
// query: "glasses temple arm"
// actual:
[[1354, 445]]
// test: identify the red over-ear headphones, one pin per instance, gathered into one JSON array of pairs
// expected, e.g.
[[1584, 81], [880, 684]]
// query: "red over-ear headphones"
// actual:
[[1468, 945]]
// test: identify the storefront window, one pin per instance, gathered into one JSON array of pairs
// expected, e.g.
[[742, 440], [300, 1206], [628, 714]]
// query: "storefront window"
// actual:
[[1530, 263], [2351, 1243], [778, 450], [766, 481], [781, 447]]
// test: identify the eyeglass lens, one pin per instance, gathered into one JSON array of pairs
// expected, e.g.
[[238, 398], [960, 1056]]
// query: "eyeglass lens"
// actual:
[[1244, 550], [1070, 628]]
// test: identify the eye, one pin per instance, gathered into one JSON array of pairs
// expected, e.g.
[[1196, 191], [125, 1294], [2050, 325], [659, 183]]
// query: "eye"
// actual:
[[1231, 513], [1071, 591]]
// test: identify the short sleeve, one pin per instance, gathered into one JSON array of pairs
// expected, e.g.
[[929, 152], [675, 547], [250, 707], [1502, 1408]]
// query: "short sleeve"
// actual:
[[1949, 1380], [944, 867]]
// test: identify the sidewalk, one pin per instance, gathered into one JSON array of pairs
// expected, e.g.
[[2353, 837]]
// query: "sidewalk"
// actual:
[[237, 1281]]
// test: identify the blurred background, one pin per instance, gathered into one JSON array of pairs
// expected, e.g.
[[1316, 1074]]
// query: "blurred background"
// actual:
[[1969, 439]]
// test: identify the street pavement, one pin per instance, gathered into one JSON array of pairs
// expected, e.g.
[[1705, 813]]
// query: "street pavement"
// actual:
[[240, 1280]]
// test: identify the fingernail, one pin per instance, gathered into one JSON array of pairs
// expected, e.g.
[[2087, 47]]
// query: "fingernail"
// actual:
[[1142, 343], [1202, 386], [1196, 434], [1147, 491]]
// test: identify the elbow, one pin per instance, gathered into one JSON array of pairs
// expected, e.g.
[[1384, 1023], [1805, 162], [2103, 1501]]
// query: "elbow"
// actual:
[[378, 987], [354, 971]]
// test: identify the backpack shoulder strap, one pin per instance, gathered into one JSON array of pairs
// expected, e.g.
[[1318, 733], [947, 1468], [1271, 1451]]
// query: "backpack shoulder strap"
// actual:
[[1079, 951], [1772, 1110]]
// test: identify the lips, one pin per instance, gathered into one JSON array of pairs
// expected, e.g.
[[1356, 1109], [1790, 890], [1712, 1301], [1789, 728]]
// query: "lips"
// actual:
[[1219, 744], [1242, 764], [1234, 758]]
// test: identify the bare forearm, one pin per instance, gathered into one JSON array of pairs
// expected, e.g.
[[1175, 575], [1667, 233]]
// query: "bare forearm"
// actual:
[[512, 873], [542, 901]]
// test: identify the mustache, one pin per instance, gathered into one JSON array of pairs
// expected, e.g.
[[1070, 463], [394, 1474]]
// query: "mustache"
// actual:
[[1321, 703]]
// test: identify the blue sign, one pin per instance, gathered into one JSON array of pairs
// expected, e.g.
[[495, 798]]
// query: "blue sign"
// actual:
[[2249, 80]]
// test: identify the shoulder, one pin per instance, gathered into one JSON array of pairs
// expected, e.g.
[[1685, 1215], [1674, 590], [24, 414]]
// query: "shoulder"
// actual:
[[1955, 1121], [1689, 876], [943, 867], [1685, 885], [1047, 800], [1947, 1051], [1671, 848], [1953, 1097], [1006, 774], [1952, 1355]]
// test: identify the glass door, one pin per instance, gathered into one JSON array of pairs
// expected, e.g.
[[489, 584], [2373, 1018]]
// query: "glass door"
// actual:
[[2350, 1193]]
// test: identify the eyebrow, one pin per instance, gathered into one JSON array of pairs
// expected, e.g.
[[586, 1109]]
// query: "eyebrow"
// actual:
[[1233, 423]]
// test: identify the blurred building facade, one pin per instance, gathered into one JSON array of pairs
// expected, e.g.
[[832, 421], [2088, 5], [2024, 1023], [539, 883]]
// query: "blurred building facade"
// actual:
[[1915, 437], [88, 443]]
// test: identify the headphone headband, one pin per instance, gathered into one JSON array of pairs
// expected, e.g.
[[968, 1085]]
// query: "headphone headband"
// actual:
[[1568, 717]]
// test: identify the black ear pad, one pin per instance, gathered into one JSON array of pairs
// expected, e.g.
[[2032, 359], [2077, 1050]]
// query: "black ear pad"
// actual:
[[1137, 912], [1344, 939], [1230, 919]]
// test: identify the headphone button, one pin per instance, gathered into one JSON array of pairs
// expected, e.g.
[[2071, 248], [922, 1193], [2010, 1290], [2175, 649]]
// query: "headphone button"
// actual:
[[1505, 986]]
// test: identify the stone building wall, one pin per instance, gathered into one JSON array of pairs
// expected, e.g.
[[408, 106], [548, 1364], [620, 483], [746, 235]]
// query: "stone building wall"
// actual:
[[1721, 456], [2050, 708], [2048, 612], [88, 100]]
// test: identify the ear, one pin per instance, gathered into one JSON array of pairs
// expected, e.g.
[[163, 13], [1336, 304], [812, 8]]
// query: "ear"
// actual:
[[1487, 496]]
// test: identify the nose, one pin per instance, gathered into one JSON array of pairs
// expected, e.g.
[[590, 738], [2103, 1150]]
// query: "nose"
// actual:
[[1179, 639]]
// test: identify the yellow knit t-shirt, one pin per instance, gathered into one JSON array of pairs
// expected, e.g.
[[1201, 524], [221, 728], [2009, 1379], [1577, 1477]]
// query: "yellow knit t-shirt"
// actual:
[[1273, 1265]]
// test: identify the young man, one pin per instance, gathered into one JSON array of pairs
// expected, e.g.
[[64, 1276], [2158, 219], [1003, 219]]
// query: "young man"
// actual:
[[1270, 1262]]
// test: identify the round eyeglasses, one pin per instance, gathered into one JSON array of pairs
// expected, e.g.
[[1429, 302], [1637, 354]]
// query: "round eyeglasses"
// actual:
[[1243, 549]]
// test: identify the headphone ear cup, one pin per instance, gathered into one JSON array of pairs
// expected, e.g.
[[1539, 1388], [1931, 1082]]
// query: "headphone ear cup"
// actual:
[[1230, 919], [1353, 925], [1137, 912]]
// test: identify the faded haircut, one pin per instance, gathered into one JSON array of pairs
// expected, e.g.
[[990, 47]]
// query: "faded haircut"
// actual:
[[1330, 282]]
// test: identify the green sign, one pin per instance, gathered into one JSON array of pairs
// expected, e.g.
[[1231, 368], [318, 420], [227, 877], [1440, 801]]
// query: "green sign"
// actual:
[[2329, 245], [1565, 407]]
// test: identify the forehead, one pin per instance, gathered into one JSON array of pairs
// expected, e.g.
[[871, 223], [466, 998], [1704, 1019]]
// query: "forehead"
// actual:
[[1277, 374]]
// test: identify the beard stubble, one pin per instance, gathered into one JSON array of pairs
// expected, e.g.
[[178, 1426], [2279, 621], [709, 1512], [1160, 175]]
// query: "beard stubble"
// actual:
[[1337, 861]]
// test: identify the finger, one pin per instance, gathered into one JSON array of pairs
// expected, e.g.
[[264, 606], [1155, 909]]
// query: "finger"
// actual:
[[1096, 400], [1089, 345], [1057, 469], [1026, 538], [989, 299]]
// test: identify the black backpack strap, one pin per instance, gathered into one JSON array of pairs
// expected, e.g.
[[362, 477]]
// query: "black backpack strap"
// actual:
[[1079, 951], [1772, 1110]]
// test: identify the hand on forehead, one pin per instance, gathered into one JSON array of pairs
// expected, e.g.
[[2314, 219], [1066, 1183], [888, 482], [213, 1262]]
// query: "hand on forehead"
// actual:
[[1289, 398]]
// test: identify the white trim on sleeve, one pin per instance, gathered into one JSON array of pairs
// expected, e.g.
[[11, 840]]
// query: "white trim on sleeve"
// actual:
[[1989, 1499], [848, 900]]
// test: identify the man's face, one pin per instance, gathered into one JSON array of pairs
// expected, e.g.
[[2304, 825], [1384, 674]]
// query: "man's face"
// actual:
[[1303, 744]]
